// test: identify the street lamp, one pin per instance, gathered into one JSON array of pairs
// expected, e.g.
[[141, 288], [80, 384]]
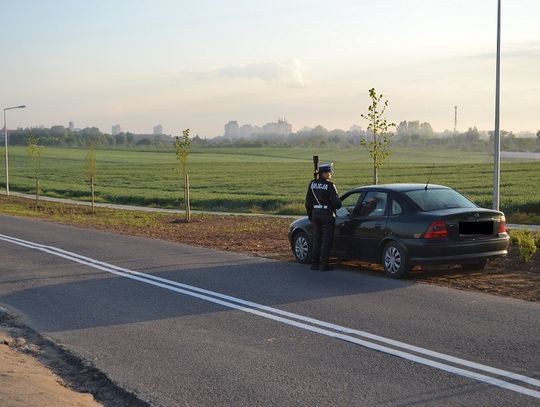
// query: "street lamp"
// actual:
[[6, 141], [496, 132]]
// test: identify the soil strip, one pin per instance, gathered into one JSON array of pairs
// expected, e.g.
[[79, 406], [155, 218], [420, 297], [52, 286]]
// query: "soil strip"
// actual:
[[77, 374]]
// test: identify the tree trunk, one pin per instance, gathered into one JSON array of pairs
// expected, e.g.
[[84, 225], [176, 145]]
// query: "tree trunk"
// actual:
[[186, 197], [375, 175], [93, 193], [37, 193]]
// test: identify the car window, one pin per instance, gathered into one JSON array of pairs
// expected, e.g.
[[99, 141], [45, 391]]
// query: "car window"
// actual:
[[348, 204], [396, 208], [373, 204], [437, 199]]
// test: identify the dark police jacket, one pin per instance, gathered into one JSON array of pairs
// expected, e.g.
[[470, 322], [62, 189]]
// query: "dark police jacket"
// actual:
[[322, 195]]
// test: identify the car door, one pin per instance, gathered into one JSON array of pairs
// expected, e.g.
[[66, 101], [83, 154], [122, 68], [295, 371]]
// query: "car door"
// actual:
[[367, 225], [343, 232]]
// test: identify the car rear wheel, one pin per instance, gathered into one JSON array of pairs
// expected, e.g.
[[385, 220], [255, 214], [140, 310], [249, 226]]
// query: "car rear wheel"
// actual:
[[301, 247], [475, 266], [394, 261]]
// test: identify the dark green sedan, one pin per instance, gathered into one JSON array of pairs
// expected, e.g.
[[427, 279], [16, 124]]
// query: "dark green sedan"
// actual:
[[401, 225]]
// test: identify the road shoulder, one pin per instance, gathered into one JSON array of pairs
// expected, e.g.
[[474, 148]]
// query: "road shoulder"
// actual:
[[36, 371], [26, 382]]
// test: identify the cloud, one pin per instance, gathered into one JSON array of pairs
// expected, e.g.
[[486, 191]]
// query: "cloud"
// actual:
[[289, 73]]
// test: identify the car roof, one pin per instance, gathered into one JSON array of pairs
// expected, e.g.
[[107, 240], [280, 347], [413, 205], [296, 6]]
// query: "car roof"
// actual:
[[400, 187]]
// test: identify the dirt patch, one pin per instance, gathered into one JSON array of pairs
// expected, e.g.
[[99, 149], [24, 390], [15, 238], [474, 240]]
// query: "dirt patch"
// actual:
[[508, 276], [24, 382], [36, 372], [267, 237]]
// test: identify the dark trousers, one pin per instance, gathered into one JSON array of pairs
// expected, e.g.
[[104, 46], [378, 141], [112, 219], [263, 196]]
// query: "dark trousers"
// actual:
[[323, 236]]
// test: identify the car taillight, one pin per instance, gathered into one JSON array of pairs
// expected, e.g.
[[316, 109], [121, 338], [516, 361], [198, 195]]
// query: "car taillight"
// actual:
[[502, 224], [436, 230]]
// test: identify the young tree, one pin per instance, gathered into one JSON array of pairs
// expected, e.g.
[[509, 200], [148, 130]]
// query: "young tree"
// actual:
[[90, 171], [379, 146], [35, 152], [181, 146]]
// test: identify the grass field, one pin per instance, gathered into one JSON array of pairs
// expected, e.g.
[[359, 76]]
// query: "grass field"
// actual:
[[265, 179]]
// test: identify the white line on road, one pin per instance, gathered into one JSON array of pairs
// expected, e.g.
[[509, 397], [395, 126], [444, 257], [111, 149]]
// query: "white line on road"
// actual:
[[339, 328], [253, 308]]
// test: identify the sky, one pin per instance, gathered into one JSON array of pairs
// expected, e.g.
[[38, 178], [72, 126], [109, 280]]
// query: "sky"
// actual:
[[198, 64]]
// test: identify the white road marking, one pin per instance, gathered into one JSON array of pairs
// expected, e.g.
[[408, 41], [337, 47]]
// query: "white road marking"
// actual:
[[272, 313], [339, 328]]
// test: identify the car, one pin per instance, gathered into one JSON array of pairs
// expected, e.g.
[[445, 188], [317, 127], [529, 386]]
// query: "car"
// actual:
[[402, 225]]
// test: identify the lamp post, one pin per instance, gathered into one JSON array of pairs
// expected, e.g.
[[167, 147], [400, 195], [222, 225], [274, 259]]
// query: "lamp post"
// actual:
[[496, 132], [6, 142]]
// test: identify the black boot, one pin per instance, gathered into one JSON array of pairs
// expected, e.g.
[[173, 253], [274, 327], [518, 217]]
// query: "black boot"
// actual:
[[314, 267], [326, 267]]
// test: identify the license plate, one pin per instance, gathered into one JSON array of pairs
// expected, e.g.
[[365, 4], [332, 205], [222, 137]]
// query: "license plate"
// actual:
[[476, 228]]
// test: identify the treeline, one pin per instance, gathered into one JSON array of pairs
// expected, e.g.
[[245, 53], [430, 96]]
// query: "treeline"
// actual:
[[316, 137], [470, 140], [406, 133], [63, 137]]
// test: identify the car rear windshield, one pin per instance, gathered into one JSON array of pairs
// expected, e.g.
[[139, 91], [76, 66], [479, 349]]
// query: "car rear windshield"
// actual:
[[437, 199]]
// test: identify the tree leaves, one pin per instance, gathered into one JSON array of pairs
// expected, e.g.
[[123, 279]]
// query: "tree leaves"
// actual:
[[181, 147], [379, 147], [90, 166]]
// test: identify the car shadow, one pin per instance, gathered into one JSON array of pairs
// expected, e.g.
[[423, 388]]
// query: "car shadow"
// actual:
[[417, 273], [79, 299]]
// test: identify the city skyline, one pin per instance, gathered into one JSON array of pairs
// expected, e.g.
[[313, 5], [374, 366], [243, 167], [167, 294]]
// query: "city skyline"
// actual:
[[311, 60]]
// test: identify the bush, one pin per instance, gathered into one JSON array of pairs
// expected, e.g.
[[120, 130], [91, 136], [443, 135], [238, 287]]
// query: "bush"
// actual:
[[527, 243]]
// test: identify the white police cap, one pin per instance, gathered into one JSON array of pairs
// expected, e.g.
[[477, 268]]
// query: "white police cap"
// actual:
[[326, 167]]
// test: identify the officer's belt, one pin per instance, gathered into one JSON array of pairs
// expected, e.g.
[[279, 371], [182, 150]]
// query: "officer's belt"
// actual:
[[320, 206]]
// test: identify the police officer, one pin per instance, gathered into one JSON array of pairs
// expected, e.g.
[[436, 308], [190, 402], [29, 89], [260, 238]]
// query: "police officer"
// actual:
[[322, 201]]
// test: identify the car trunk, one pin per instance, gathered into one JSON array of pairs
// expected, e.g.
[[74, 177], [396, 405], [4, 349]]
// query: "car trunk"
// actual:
[[471, 223]]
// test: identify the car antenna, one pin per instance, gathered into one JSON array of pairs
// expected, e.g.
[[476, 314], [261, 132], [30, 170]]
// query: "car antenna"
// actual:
[[429, 178]]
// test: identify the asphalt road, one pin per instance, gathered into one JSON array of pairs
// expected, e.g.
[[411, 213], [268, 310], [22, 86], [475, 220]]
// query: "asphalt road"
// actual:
[[158, 335]]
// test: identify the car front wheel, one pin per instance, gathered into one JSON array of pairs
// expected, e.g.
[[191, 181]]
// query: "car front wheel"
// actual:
[[394, 261], [301, 247]]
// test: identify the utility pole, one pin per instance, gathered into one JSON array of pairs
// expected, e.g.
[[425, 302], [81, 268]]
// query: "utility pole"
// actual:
[[455, 120], [497, 135]]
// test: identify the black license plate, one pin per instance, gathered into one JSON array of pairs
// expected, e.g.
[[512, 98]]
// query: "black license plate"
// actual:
[[476, 228]]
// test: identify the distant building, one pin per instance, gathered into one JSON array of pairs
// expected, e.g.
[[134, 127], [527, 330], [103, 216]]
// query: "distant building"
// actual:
[[71, 126], [232, 129], [116, 129], [158, 130], [282, 128], [248, 130]]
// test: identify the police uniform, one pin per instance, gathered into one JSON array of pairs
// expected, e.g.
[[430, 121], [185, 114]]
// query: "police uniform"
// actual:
[[322, 201]]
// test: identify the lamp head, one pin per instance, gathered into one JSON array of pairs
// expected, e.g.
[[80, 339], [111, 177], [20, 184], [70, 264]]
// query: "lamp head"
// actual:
[[15, 107]]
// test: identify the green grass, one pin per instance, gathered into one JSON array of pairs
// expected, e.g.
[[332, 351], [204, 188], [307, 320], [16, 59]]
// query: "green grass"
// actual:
[[265, 179]]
